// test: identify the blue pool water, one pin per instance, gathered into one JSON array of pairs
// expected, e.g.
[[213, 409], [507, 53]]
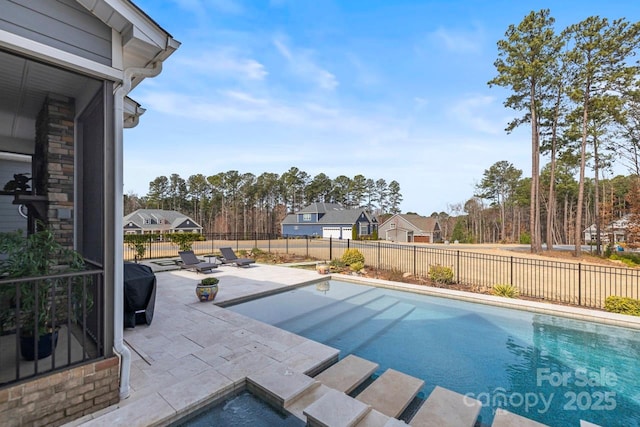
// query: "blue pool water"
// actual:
[[551, 369], [243, 410]]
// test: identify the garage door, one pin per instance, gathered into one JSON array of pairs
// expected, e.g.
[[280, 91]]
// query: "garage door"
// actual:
[[346, 232], [331, 232], [422, 239]]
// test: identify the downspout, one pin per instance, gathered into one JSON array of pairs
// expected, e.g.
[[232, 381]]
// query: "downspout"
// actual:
[[119, 94]]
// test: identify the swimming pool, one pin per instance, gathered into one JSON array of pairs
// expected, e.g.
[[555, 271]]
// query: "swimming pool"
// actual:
[[241, 410], [551, 369]]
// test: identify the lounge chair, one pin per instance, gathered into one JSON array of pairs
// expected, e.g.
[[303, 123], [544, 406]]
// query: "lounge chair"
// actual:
[[229, 257], [190, 261]]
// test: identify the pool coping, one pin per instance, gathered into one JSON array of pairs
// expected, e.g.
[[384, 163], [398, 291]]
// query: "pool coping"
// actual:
[[567, 311]]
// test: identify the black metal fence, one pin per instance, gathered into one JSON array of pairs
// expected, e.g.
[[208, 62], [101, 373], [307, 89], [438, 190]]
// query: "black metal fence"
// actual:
[[49, 323], [574, 283]]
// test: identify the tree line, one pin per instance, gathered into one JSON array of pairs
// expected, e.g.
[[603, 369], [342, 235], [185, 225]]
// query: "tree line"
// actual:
[[578, 91], [245, 203], [499, 210]]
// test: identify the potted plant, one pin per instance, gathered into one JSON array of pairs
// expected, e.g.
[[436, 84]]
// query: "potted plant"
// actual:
[[36, 308], [207, 289]]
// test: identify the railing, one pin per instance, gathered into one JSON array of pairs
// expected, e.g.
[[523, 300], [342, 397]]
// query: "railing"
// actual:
[[49, 323], [574, 283]]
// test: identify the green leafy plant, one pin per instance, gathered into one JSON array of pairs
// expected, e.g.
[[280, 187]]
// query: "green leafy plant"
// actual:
[[357, 266], [627, 258], [622, 305], [505, 290], [138, 243], [41, 302], [352, 256], [184, 240], [208, 281], [440, 274]]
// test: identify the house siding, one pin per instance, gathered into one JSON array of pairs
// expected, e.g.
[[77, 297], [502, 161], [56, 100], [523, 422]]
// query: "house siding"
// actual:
[[307, 229], [62, 397], [62, 24]]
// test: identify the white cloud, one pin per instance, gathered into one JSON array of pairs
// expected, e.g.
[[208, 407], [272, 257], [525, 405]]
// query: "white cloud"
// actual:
[[458, 41], [226, 62], [472, 112], [302, 64]]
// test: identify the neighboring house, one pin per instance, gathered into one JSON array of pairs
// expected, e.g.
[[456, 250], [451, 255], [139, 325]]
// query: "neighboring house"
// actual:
[[160, 221], [410, 228], [329, 220], [617, 229], [67, 67]]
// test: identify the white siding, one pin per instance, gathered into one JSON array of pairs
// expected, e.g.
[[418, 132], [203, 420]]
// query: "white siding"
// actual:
[[63, 24]]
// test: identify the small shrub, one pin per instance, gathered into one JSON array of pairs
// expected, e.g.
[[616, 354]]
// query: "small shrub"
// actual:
[[208, 281], [525, 239], [505, 290], [356, 266], [628, 259], [623, 305], [337, 263], [441, 274], [351, 256]]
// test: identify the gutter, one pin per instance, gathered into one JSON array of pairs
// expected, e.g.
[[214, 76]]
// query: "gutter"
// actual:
[[120, 93]]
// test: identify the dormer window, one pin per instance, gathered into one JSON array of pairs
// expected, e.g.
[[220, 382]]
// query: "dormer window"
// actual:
[[306, 217]]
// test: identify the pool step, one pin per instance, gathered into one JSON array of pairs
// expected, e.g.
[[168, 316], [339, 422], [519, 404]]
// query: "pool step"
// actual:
[[368, 331], [311, 319], [446, 408], [279, 385], [391, 393], [335, 409], [347, 374], [312, 394], [504, 418], [338, 325], [378, 419]]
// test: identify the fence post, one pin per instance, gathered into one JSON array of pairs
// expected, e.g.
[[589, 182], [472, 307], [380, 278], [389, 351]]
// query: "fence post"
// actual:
[[269, 241], [348, 241], [579, 283], [255, 239], [415, 260], [307, 241], [378, 256], [511, 273], [330, 248], [458, 266], [286, 246]]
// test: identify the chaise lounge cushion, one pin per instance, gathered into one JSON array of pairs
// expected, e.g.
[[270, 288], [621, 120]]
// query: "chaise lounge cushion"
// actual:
[[190, 261], [229, 257]]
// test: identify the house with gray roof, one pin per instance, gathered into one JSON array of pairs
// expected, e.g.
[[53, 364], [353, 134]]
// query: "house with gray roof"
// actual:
[[159, 221], [410, 228], [329, 220]]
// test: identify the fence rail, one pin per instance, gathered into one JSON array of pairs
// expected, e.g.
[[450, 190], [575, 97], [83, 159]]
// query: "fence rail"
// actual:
[[574, 283], [60, 312]]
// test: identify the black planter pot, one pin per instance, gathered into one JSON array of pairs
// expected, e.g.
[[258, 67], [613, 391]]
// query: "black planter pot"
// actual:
[[46, 344]]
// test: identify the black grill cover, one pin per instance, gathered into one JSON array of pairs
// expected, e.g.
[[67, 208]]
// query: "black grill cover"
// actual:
[[139, 294]]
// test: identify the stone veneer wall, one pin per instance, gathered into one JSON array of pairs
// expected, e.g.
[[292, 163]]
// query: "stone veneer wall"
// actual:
[[61, 397], [53, 169]]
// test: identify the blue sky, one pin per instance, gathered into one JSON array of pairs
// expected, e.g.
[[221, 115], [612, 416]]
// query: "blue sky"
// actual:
[[392, 89]]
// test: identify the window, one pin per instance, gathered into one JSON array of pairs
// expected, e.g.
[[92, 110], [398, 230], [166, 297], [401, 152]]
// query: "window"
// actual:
[[392, 225], [364, 229], [306, 217]]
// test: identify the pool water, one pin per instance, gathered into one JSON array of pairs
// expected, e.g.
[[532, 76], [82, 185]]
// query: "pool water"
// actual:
[[551, 369], [243, 410]]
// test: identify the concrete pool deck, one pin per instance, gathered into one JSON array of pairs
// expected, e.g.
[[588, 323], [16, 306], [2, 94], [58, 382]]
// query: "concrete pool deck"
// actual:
[[195, 353]]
